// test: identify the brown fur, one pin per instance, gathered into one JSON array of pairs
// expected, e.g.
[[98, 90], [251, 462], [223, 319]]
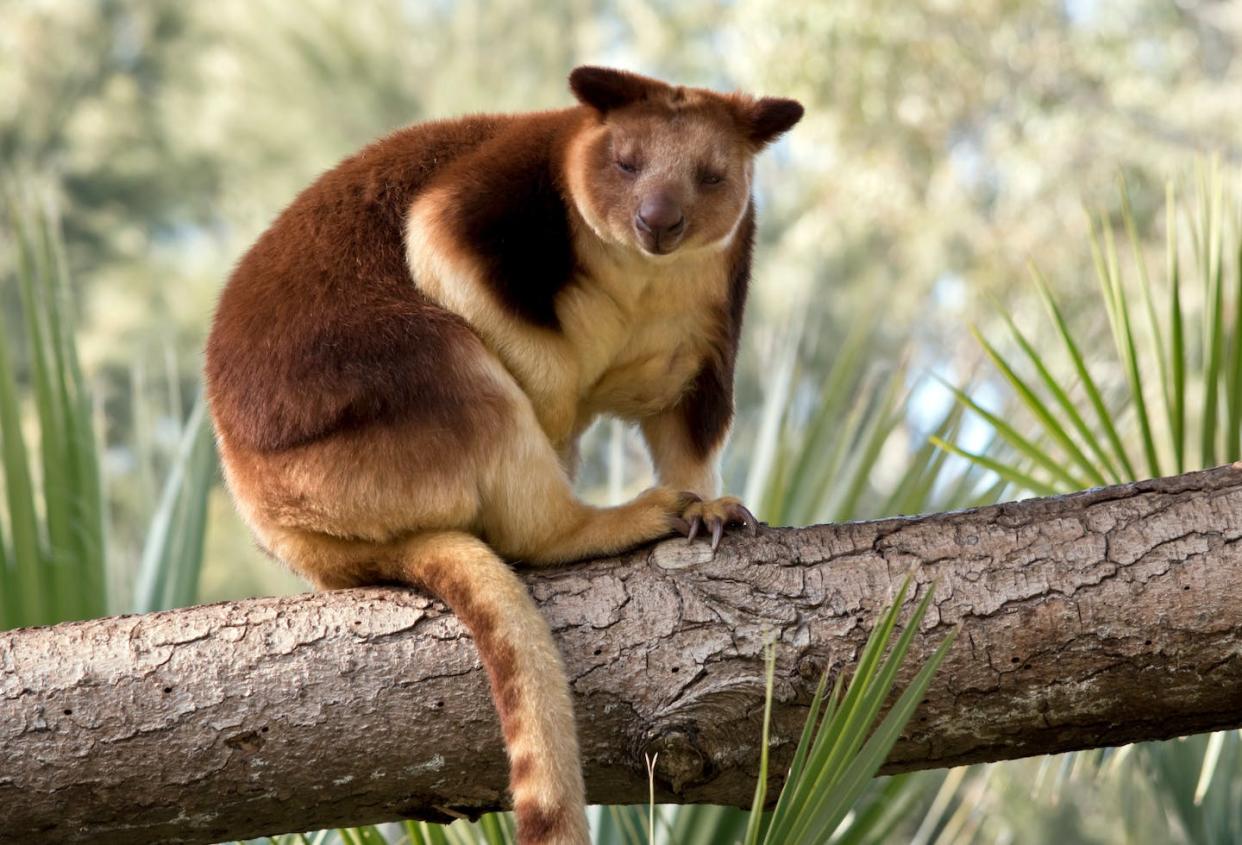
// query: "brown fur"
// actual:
[[302, 348], [537, 824], [439, 578], [400, 367]]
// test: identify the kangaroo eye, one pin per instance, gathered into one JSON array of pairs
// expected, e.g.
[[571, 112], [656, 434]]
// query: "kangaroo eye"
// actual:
[[709, 177], [627, 166]]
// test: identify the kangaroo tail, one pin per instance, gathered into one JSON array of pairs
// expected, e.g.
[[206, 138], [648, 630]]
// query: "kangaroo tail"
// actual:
[[528, 680]]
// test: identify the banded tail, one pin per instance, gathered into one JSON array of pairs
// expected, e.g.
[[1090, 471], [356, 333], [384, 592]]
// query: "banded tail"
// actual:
[[529, 685]]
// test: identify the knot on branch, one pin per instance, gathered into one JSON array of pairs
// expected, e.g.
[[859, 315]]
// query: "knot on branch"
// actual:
[[680, 760]]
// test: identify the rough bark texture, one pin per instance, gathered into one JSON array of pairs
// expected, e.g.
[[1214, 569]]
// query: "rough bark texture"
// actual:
[[1087, 620]]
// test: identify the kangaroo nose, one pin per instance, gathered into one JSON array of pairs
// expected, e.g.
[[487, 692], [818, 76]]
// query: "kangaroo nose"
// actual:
[[660, 216]]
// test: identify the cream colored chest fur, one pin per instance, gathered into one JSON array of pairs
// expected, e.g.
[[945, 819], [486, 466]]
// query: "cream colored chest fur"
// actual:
[[634, 330], [641, 329]]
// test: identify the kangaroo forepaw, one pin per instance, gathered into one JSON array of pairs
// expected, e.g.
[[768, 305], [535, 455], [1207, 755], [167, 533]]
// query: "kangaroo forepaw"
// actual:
[[715, 515]]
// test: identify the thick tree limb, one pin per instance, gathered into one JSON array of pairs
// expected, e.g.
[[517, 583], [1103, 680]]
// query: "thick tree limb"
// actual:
[[1095, 619]]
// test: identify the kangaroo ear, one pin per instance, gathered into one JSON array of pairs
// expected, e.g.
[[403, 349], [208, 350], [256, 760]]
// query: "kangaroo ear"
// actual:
[[604, 89], [770, 117]]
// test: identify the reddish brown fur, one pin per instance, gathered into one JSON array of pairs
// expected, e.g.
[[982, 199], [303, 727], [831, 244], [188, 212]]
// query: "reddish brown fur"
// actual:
[[707, 407], [438, 578], [507, 204], [521, 769], [319, 330], [402, 362], [537, 824]]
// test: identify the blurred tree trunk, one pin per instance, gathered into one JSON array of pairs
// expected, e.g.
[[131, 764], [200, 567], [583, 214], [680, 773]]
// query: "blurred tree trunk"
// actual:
[[1094, 619]]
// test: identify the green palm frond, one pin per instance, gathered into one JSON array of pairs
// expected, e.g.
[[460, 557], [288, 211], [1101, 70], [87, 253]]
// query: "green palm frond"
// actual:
[[173, 554], [55, 563], [54, 556], [839, 754], [1176, 404], [1145, 431]]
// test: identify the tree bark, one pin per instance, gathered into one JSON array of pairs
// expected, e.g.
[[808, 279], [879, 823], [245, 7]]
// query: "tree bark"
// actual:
[[1094, 619]]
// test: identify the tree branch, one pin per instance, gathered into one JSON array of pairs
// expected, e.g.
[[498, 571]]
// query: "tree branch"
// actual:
[[1094, 619]]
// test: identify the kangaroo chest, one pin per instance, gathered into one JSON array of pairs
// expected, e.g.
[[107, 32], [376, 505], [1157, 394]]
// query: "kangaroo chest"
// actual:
[[632, 333], [639, 333]]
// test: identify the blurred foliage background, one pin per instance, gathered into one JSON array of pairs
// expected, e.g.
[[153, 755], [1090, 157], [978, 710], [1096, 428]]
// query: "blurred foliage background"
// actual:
[[946, 146]]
